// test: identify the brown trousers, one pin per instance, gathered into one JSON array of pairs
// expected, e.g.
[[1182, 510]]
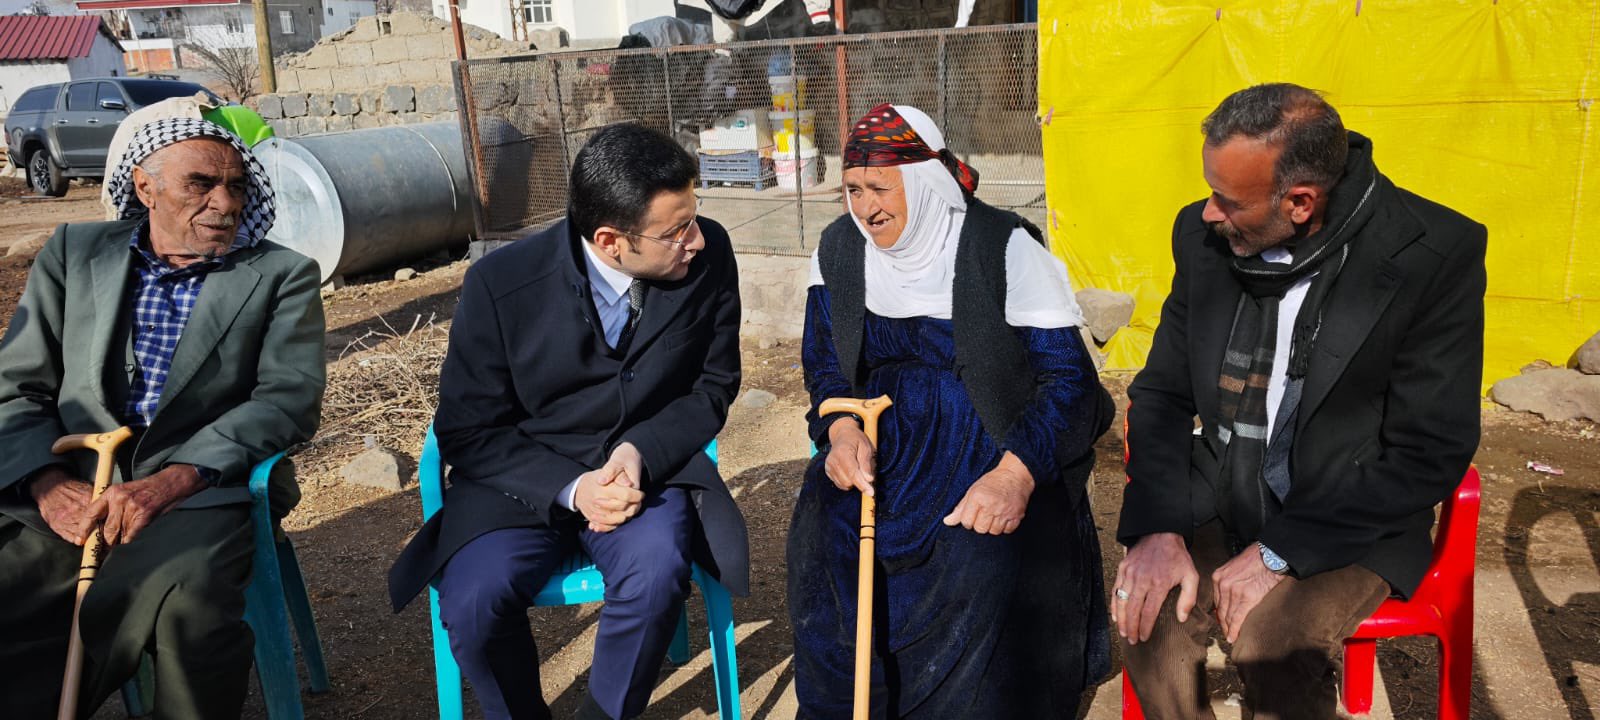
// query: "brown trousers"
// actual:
[[1286, 654]]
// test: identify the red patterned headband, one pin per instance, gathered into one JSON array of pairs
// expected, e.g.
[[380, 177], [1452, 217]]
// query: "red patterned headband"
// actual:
[[883, 138]]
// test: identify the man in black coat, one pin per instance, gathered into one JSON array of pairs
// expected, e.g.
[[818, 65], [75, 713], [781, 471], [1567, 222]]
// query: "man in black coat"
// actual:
[[1326, 327], [589, 366]]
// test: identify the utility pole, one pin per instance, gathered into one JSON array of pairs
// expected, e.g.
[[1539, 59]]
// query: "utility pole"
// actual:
[[269, 77]]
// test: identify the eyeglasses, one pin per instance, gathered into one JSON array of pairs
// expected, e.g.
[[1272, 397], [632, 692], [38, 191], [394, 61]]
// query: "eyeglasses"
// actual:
[[678, 238]]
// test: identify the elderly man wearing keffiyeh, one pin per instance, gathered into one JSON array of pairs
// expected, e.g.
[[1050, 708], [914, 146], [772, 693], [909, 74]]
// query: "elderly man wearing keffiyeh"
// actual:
[[181, 321]]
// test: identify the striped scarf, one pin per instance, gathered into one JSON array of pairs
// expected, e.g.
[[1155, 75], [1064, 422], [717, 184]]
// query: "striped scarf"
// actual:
[[1255, 468]]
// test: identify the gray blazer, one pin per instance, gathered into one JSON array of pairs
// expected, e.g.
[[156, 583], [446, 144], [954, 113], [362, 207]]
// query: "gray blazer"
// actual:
[[246, 379]]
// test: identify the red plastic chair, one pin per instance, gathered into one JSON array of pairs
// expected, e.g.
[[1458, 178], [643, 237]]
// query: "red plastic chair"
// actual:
[[1441, 607]]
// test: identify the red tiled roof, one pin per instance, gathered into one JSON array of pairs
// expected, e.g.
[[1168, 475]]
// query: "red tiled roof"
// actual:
[[34, 37], [147, 4]]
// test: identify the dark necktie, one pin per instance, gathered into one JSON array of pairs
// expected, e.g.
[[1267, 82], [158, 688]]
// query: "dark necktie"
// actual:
[[635, 309]]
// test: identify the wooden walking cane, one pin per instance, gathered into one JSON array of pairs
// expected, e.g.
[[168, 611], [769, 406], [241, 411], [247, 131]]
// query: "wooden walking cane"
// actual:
[[868, 411], [105, 446]]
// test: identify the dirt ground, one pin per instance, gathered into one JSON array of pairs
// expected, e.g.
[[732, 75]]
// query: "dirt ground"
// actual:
[[1537, 654]]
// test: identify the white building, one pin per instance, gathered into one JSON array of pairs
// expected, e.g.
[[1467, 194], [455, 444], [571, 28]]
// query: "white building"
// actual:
[[38, 50], [153, 31], [51, 7], [582, 19], [340, 14]]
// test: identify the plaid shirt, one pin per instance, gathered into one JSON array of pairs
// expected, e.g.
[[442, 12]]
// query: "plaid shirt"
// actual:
[[163, 297]]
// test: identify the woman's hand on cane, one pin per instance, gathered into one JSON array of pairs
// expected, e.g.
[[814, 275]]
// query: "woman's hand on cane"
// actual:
[[849, 463]]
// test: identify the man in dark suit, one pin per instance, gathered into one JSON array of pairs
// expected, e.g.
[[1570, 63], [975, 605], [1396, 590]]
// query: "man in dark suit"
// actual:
[[182, 322], [1326, 327], [589, 366]]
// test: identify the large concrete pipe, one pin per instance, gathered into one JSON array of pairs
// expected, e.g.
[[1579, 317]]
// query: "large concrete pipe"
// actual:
[[362, 200]]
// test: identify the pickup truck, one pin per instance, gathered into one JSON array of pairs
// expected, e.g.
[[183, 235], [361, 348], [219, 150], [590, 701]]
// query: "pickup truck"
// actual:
[[62, 131]]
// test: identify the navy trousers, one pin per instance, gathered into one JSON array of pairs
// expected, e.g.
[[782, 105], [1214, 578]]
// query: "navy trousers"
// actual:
[[487, 586]]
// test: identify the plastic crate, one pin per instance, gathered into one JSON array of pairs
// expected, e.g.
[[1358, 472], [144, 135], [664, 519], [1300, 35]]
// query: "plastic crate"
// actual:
[[740, 167]]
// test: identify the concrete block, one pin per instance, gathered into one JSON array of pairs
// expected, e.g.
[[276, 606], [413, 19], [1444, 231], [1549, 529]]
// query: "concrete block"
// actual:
[[269, 106], [381, 75], [451, 116], [318, 57], [392, 119], [346, 103], [371, 102], [350, 79], [368, 120], [319, 105], [288, 80], [316, 80], [424, 47], [364, 30], [294, 105], [436, 99], [354, 54], [410, 23], [551, 39], [399, 98], [282, 127], [389, 50], [419, 72], [340, 123], [312, 125]]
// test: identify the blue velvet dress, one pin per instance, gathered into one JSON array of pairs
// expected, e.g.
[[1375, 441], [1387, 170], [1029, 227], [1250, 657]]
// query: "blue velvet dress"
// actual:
[[967, 625]]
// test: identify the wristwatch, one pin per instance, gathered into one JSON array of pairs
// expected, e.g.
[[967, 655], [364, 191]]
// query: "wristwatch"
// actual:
[[1274, 563]]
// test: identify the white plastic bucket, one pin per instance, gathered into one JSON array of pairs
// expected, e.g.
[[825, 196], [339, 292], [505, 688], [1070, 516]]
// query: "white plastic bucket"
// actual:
[[808, 167]]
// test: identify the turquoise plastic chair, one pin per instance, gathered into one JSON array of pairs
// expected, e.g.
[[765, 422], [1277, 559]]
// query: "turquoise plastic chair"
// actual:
[[577, 581], [277, 593]]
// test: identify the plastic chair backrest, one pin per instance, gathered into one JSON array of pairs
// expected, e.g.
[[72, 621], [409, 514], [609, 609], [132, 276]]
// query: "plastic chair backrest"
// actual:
[[241, 121]]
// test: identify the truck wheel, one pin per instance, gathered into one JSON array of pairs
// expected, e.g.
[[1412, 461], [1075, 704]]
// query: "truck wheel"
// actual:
[[44, 176]]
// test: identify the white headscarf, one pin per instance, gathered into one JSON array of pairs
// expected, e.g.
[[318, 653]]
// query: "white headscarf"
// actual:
[[915, 276]]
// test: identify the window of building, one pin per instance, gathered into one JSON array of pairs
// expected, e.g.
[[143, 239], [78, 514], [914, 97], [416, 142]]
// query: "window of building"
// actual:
[[286, 22], [232, 22], [538, 12]]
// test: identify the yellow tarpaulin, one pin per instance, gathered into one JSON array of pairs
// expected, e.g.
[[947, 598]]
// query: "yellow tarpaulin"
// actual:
[[1487, 107]]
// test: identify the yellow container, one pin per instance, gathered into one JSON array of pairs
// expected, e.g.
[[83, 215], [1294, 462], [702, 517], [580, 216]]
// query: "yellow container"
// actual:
[[788, 92], [792, 130]]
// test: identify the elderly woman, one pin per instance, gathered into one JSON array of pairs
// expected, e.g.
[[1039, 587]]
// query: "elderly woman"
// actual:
[[989, 594]]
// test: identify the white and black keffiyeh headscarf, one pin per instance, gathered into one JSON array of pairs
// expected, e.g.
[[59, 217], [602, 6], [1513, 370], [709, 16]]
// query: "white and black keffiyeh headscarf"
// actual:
[[259, 209]]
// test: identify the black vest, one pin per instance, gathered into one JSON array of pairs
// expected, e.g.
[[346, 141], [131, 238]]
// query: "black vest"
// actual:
[[991, 361]]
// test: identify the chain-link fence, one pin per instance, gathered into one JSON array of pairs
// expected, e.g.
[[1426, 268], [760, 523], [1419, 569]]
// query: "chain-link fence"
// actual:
[[772, 176]]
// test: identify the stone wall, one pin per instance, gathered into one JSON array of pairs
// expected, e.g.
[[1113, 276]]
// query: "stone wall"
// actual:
[[384, 70], [295, 114]]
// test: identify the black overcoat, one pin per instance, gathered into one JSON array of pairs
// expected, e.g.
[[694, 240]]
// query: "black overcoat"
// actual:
[[1388, 420]]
